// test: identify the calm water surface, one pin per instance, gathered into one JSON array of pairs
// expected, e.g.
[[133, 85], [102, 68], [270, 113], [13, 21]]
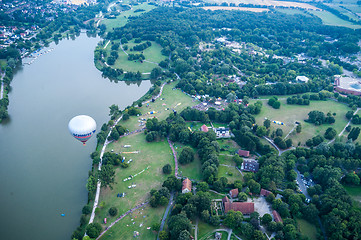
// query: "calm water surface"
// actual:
[[43, 170]]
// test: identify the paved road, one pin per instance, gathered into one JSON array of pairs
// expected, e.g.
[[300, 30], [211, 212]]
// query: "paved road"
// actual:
[[166, 213], [301, 184]]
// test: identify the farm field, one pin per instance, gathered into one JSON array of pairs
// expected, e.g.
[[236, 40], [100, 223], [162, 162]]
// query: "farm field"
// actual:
[[122, 19], [171, 98], [292, 11], [289, 114], [355, 193], [214, 8], [307, 229], [151, 157], [330, 19], [338, 7], [268, 3]]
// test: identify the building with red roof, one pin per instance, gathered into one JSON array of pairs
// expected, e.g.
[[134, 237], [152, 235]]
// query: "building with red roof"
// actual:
[[265, 192], [233, 193], [186, 186], [204, 128], [245, 208], [243, 153], [276, 216]]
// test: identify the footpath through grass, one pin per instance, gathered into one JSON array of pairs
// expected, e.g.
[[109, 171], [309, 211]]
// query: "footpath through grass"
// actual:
[[150, 157]]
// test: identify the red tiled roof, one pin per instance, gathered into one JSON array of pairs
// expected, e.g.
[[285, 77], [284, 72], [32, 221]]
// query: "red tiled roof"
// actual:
[[186, 184], [204, 128], [243, 153], [276, 216], [265, 192], [234, 193], [243, 207]]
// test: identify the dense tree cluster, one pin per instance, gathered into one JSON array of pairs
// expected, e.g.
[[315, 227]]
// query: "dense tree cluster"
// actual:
[[273, 102], [319, 118], [141, 47]]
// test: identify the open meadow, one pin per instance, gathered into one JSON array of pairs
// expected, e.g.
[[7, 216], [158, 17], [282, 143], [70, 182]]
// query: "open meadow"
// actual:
[[171, 99], [152, 56], [122, 19], [307, 229], [331, 19], [289, 114], [355, 193], [214, 8]]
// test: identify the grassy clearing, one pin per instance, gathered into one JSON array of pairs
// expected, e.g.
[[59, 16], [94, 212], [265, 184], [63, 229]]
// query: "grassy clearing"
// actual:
[[152, 54], [307, 229], [3, 63], [138, 221], [122, 19], [191, 170], [231, 173], [355, 193], [227, 160], [289, 114], [214, 8], [204, 229], [172, 99], [153, 155], [330, 19], [229, 146], [343, 11]]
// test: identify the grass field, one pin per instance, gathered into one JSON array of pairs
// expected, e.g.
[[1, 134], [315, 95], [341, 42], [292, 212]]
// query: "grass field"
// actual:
[[289, 114], [122, 19], [355, 193], [138, 221], [152, 54], [351, 15], [231, 173], [292, 11], [229, 146], [307, 229], [204, 229], [152, 155], [287, 4], [330, 19], [172, 99]]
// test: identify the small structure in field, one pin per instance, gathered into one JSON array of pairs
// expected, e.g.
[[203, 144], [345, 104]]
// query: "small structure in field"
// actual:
[[204, 128], [233, 193], [243, 153]]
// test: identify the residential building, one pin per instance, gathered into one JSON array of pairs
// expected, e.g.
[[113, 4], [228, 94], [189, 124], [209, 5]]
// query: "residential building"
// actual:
[[243, 153], [276, 216], [186, 186], [265, 192], [245, 208], [222, 132], [250, 165]]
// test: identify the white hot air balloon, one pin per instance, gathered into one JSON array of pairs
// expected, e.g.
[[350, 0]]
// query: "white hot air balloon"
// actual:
[[82, 127]]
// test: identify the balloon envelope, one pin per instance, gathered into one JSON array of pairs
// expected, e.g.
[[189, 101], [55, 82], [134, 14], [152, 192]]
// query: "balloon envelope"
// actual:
[[82, 127]]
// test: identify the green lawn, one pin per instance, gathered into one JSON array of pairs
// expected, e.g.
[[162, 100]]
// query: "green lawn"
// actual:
[[191, 170], [225, 159], [228, 145], [292, 11], [231, 173], [152, 155], [152, 54], [204, 229], [122, 19], [138, 221], [307, 229], [289, 114], [172, 99], [355, 193], [330, 19]]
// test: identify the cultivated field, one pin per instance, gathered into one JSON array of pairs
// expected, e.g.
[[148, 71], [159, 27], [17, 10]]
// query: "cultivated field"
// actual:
[[330, 19], [289, 114], [213, 8], [269, 3]]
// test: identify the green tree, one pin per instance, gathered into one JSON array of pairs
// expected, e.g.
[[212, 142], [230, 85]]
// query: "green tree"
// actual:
[[202, 186], [86, 210], [113, 211], [186, 156], [299, 128], [267, 123], [93, 230], [242, 197], [177, 224], [261, 131], [167, 169], [266, 219], [106, 175], [156, 226], [233, 219], [330, 133], [163, 235]]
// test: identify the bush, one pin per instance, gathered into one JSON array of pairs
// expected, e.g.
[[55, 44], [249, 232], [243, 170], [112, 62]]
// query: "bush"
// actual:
[[86, 210]]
